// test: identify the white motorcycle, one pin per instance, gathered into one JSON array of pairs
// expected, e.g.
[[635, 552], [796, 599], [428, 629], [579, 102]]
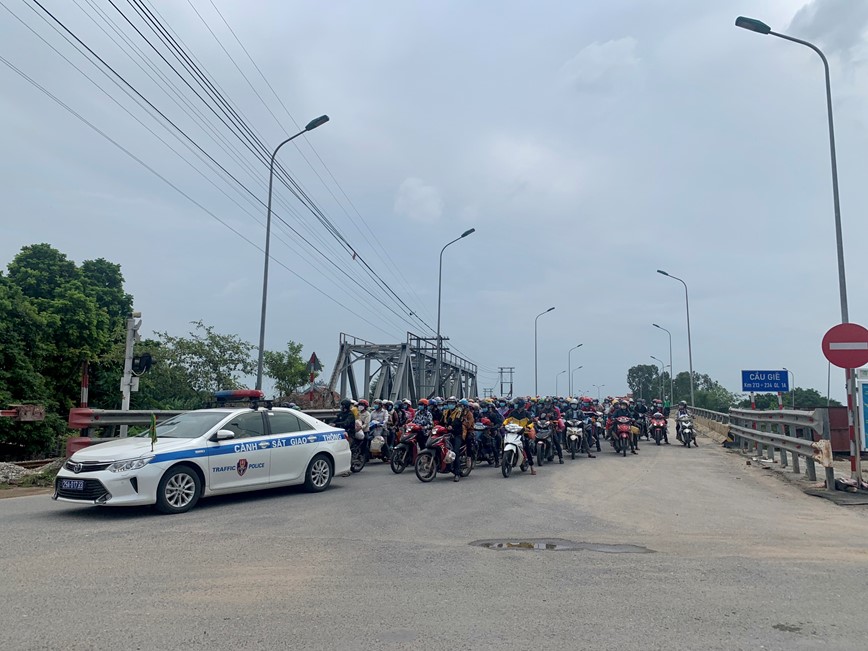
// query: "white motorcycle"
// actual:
[[513, 450], [575, 437], [685, 427]]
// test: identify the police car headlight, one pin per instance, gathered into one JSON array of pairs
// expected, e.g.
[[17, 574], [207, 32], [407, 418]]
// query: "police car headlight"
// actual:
[[129, 464]]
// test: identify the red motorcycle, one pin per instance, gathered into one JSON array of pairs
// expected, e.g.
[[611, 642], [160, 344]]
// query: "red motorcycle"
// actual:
[[622, 434], [407, 450], [438, 456], [658, 427]]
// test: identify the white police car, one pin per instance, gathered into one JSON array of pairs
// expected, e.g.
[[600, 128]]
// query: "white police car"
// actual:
[[207, 452]]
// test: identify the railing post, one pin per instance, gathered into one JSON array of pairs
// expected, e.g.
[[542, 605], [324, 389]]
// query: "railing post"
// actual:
[[782, 430], [827, 436]]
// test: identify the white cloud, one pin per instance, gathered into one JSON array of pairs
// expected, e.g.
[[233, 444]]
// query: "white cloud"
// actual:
[[601, 64], [418, 201], [839, 25]]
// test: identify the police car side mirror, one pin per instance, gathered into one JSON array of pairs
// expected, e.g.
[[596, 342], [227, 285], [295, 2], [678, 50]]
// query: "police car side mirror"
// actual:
[[223, 435]]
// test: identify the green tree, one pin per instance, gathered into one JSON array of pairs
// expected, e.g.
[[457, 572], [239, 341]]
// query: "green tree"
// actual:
[[54, 316], [287, 368], [806, 399], [644, 381], [208, 360]]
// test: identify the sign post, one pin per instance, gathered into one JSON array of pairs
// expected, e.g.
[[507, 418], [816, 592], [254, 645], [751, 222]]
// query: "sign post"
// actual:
[[846, 346]]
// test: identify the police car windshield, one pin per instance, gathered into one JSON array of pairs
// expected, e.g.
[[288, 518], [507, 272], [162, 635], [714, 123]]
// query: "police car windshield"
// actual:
[[187, 426]]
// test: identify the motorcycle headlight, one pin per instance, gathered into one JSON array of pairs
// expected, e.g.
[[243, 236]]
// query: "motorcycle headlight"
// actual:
[[129, 464]]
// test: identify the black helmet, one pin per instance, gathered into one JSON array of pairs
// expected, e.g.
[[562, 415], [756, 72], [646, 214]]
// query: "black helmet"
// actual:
[[346, 402]]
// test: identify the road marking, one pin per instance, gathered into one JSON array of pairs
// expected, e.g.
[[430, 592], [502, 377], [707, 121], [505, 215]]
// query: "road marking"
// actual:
[[852, 345]]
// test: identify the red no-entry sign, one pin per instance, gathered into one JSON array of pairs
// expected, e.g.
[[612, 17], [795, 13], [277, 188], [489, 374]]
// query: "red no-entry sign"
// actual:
[[846, 345]]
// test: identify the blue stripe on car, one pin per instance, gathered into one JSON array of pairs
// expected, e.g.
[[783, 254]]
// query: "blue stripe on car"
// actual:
[[303, 438]]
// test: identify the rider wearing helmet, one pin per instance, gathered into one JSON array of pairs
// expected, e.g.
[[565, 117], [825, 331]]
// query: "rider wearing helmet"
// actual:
[[345, 419], [620, 411], [455, 420], [364, 415]]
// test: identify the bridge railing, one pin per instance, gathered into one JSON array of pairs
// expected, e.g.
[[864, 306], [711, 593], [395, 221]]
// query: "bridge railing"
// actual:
[[787, 433]]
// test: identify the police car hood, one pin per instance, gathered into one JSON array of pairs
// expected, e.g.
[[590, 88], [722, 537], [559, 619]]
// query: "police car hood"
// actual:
[[129, 448]]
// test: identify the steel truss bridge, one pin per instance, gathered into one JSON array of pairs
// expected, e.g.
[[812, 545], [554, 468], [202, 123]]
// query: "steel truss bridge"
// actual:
[[398, 371]]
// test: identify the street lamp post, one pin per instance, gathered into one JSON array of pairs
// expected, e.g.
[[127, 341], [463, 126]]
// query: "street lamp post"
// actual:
[[313, 124], [569, 365], [535, 365], [558, 377], [662, 371], [792, 388], [689, 344], [671, 370], [599, 386], [437, 370], [573, 378], [759, 27]]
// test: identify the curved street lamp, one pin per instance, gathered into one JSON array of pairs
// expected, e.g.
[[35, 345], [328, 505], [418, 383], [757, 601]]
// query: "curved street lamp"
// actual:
[[535, 366], [689, 345], [570, 365], [558, 377], [671, 370], [313, 124], [754, 25], [437, 371]]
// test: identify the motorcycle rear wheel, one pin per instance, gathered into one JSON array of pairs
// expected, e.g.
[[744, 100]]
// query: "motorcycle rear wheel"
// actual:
[[358, 461], [426, 466], [506, 465]]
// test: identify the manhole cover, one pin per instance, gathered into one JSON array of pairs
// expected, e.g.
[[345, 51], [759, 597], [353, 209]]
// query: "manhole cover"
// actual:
[[559, 545]]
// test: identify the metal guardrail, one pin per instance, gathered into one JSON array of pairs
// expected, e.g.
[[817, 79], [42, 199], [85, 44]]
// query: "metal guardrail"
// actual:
[[786, 431], [716, 416], [85, 418]]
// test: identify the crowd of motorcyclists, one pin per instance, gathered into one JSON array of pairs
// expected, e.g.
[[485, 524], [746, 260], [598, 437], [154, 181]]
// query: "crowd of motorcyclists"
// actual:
[[471, 431]]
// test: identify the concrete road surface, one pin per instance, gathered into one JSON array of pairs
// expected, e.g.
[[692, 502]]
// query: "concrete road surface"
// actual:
[[737, 560]]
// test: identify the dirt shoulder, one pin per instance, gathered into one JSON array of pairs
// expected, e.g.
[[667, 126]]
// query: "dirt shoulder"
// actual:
[[22, 491]]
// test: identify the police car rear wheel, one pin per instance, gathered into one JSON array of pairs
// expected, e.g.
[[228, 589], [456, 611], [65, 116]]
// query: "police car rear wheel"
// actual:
[[319, 474], [179, 490]]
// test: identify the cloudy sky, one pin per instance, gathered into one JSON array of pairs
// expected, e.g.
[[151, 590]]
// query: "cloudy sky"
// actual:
[[589, 144]]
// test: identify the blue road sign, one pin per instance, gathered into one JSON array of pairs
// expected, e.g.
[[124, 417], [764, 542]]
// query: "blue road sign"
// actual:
[[758, 381]]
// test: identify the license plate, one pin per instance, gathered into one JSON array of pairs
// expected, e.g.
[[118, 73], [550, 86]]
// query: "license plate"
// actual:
[[72, 484]]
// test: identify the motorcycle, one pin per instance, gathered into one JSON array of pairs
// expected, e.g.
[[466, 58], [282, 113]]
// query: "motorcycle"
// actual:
[[358, 451], [545, 449], [575, 437], [407, 450], [513, 450], [621, 434], [658, 427], [438, 456], [488, 445], [688, 435]]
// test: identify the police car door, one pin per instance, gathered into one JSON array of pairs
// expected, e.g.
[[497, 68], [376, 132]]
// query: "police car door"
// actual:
[[245, 460], [294, 442]]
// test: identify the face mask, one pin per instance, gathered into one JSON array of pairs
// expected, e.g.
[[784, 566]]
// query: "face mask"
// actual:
[[450, 405], [389, 408]]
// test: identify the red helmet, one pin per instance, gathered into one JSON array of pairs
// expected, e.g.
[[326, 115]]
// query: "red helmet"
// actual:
[[363, 403], [486, 422]]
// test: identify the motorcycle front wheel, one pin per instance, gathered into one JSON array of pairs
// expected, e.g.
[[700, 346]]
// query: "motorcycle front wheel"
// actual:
[[398, 462], [624, 446], [466, 465], [426, 466], [506, 465]]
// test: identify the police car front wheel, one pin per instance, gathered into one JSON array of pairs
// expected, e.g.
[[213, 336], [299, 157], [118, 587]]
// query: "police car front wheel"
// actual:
[[179, 490], [319, 474]]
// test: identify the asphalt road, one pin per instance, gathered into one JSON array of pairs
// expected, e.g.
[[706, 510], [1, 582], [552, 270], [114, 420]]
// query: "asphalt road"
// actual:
[[738, 560]]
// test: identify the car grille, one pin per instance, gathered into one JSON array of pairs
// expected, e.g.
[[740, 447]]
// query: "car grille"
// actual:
[[85, 466], [93, 489]]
